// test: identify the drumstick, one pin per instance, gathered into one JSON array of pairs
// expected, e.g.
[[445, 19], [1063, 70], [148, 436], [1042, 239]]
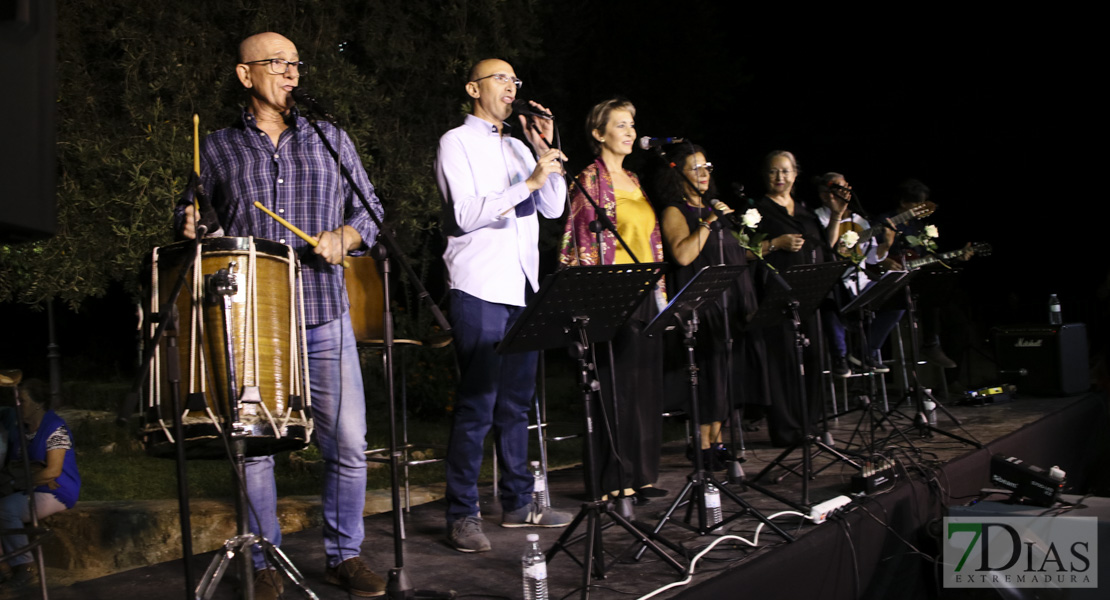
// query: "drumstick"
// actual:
[[291, 227], [196, 164], [196, 144]]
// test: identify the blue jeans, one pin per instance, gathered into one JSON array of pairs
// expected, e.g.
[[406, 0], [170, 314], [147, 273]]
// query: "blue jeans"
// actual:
[[882, 324], [15, 511], [495, 391], [339, 415]]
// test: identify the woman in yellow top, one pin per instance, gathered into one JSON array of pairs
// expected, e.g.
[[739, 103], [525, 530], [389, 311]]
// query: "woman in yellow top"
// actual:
[[638, 360]]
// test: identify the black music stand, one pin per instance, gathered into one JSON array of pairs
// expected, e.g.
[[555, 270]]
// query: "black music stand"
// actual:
[[872, 297], [707, 285], [806, 286], [932, 285], [575, 308]]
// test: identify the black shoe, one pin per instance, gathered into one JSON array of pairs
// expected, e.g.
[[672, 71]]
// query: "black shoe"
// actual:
[[639, 499], [722, 454], [875, 365], [652, 492], [840, 367], [934, 355], [23, 575], [709, 460]]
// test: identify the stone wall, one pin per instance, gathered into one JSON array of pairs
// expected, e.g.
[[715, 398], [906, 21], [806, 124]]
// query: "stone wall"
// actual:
[[99, 538]]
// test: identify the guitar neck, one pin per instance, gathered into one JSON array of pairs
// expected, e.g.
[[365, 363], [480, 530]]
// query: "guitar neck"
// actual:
[[982, 249]]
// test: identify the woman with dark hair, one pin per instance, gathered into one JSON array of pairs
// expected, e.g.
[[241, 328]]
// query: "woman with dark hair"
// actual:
[[692, 232], [797, 239], [54, 476], [638, 360]]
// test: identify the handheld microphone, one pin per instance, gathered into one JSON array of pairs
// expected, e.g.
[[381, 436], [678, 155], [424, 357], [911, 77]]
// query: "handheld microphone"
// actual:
[[312, 104], [647, 142], [734, 218], [520, 105]]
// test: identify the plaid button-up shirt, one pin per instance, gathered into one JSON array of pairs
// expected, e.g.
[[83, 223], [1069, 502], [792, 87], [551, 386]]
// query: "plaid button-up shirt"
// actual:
[[299, 181]]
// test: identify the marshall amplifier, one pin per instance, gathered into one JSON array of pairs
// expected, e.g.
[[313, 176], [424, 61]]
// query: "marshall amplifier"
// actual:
[[1052, 357]]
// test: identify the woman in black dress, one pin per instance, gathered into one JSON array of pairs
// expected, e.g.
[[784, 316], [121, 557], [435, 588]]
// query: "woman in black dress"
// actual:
[[796, 239], [695, 238]]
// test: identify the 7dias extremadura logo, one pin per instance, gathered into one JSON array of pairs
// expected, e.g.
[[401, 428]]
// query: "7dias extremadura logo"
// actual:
[[1044, 552]]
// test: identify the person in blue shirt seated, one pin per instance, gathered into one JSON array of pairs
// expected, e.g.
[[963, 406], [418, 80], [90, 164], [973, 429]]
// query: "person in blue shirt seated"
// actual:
[[54, 479]]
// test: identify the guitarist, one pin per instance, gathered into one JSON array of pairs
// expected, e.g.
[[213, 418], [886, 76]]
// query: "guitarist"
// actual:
[[909, 193], [870, 247]]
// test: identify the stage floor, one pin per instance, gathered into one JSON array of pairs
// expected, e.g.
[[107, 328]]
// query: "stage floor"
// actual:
[[937, 475]]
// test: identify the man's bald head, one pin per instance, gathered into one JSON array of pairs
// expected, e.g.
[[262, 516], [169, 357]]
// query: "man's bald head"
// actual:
[[260, 46], [487, 67]]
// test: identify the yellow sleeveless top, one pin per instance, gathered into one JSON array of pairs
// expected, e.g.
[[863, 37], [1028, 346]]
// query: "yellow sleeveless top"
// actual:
[[635, 222]]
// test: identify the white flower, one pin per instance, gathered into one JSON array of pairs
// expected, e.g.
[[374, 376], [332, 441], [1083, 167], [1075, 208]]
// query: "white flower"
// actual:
[[752, 218], [931, 231], [849, 238]]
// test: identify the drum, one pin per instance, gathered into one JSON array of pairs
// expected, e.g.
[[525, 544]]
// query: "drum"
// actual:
[[263, 334]]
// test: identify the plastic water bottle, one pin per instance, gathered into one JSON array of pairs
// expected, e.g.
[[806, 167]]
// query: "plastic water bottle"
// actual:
[[539, 487], [1055, 317], [930, 410], [713, 504], [534, 567]]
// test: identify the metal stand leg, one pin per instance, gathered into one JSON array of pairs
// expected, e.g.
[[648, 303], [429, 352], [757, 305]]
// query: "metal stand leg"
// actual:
[[240, 547]]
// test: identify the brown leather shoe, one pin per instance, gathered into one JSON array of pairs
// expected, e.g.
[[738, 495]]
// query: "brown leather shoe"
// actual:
[[354, 576], [267, 584]]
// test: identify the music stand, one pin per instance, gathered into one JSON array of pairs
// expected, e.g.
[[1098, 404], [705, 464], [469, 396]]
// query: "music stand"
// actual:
[[932, 285], [875, 296], [806, 286], [707, 284], [575, 308]]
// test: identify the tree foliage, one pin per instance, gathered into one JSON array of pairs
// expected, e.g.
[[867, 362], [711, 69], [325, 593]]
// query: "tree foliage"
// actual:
[[131, 73]]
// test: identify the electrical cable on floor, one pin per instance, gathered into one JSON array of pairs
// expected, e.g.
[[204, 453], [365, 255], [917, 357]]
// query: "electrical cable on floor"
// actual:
[[694, 561]]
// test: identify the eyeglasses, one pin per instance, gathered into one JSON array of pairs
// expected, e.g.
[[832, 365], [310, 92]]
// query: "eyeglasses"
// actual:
[[776, 172], [501, 78], [707, 166], [280, 66]]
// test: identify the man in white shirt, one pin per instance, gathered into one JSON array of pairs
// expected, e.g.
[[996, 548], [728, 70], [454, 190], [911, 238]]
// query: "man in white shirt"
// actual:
[[492, 188], [872, 248]]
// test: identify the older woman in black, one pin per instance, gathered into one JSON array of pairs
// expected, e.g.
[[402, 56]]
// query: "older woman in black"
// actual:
[[797, 239]]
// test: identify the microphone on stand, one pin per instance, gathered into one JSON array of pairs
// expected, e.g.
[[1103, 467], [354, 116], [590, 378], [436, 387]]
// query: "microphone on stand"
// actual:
[[302, 97], [647, 142], [206, 219], [520, 105], [738, 191]]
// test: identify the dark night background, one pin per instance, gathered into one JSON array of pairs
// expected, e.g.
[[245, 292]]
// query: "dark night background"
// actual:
[[995, 111]]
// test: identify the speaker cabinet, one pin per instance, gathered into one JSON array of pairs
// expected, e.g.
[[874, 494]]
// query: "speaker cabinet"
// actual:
[[28, 208], [1054, 358]]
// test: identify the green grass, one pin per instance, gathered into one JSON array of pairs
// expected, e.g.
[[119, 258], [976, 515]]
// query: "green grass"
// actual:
[[128, 473]]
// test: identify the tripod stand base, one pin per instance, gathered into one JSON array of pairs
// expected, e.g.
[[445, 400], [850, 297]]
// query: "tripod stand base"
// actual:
[[693, 497], [240, 546], [593, 560]]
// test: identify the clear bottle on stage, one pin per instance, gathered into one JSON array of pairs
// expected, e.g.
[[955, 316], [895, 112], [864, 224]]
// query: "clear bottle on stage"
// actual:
[[930, 409], [539, 488], [1055, 317], [713, 504], [534, 568]]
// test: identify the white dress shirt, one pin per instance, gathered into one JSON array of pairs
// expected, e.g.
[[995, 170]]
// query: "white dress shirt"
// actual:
[[492, 253], [870, 248]]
